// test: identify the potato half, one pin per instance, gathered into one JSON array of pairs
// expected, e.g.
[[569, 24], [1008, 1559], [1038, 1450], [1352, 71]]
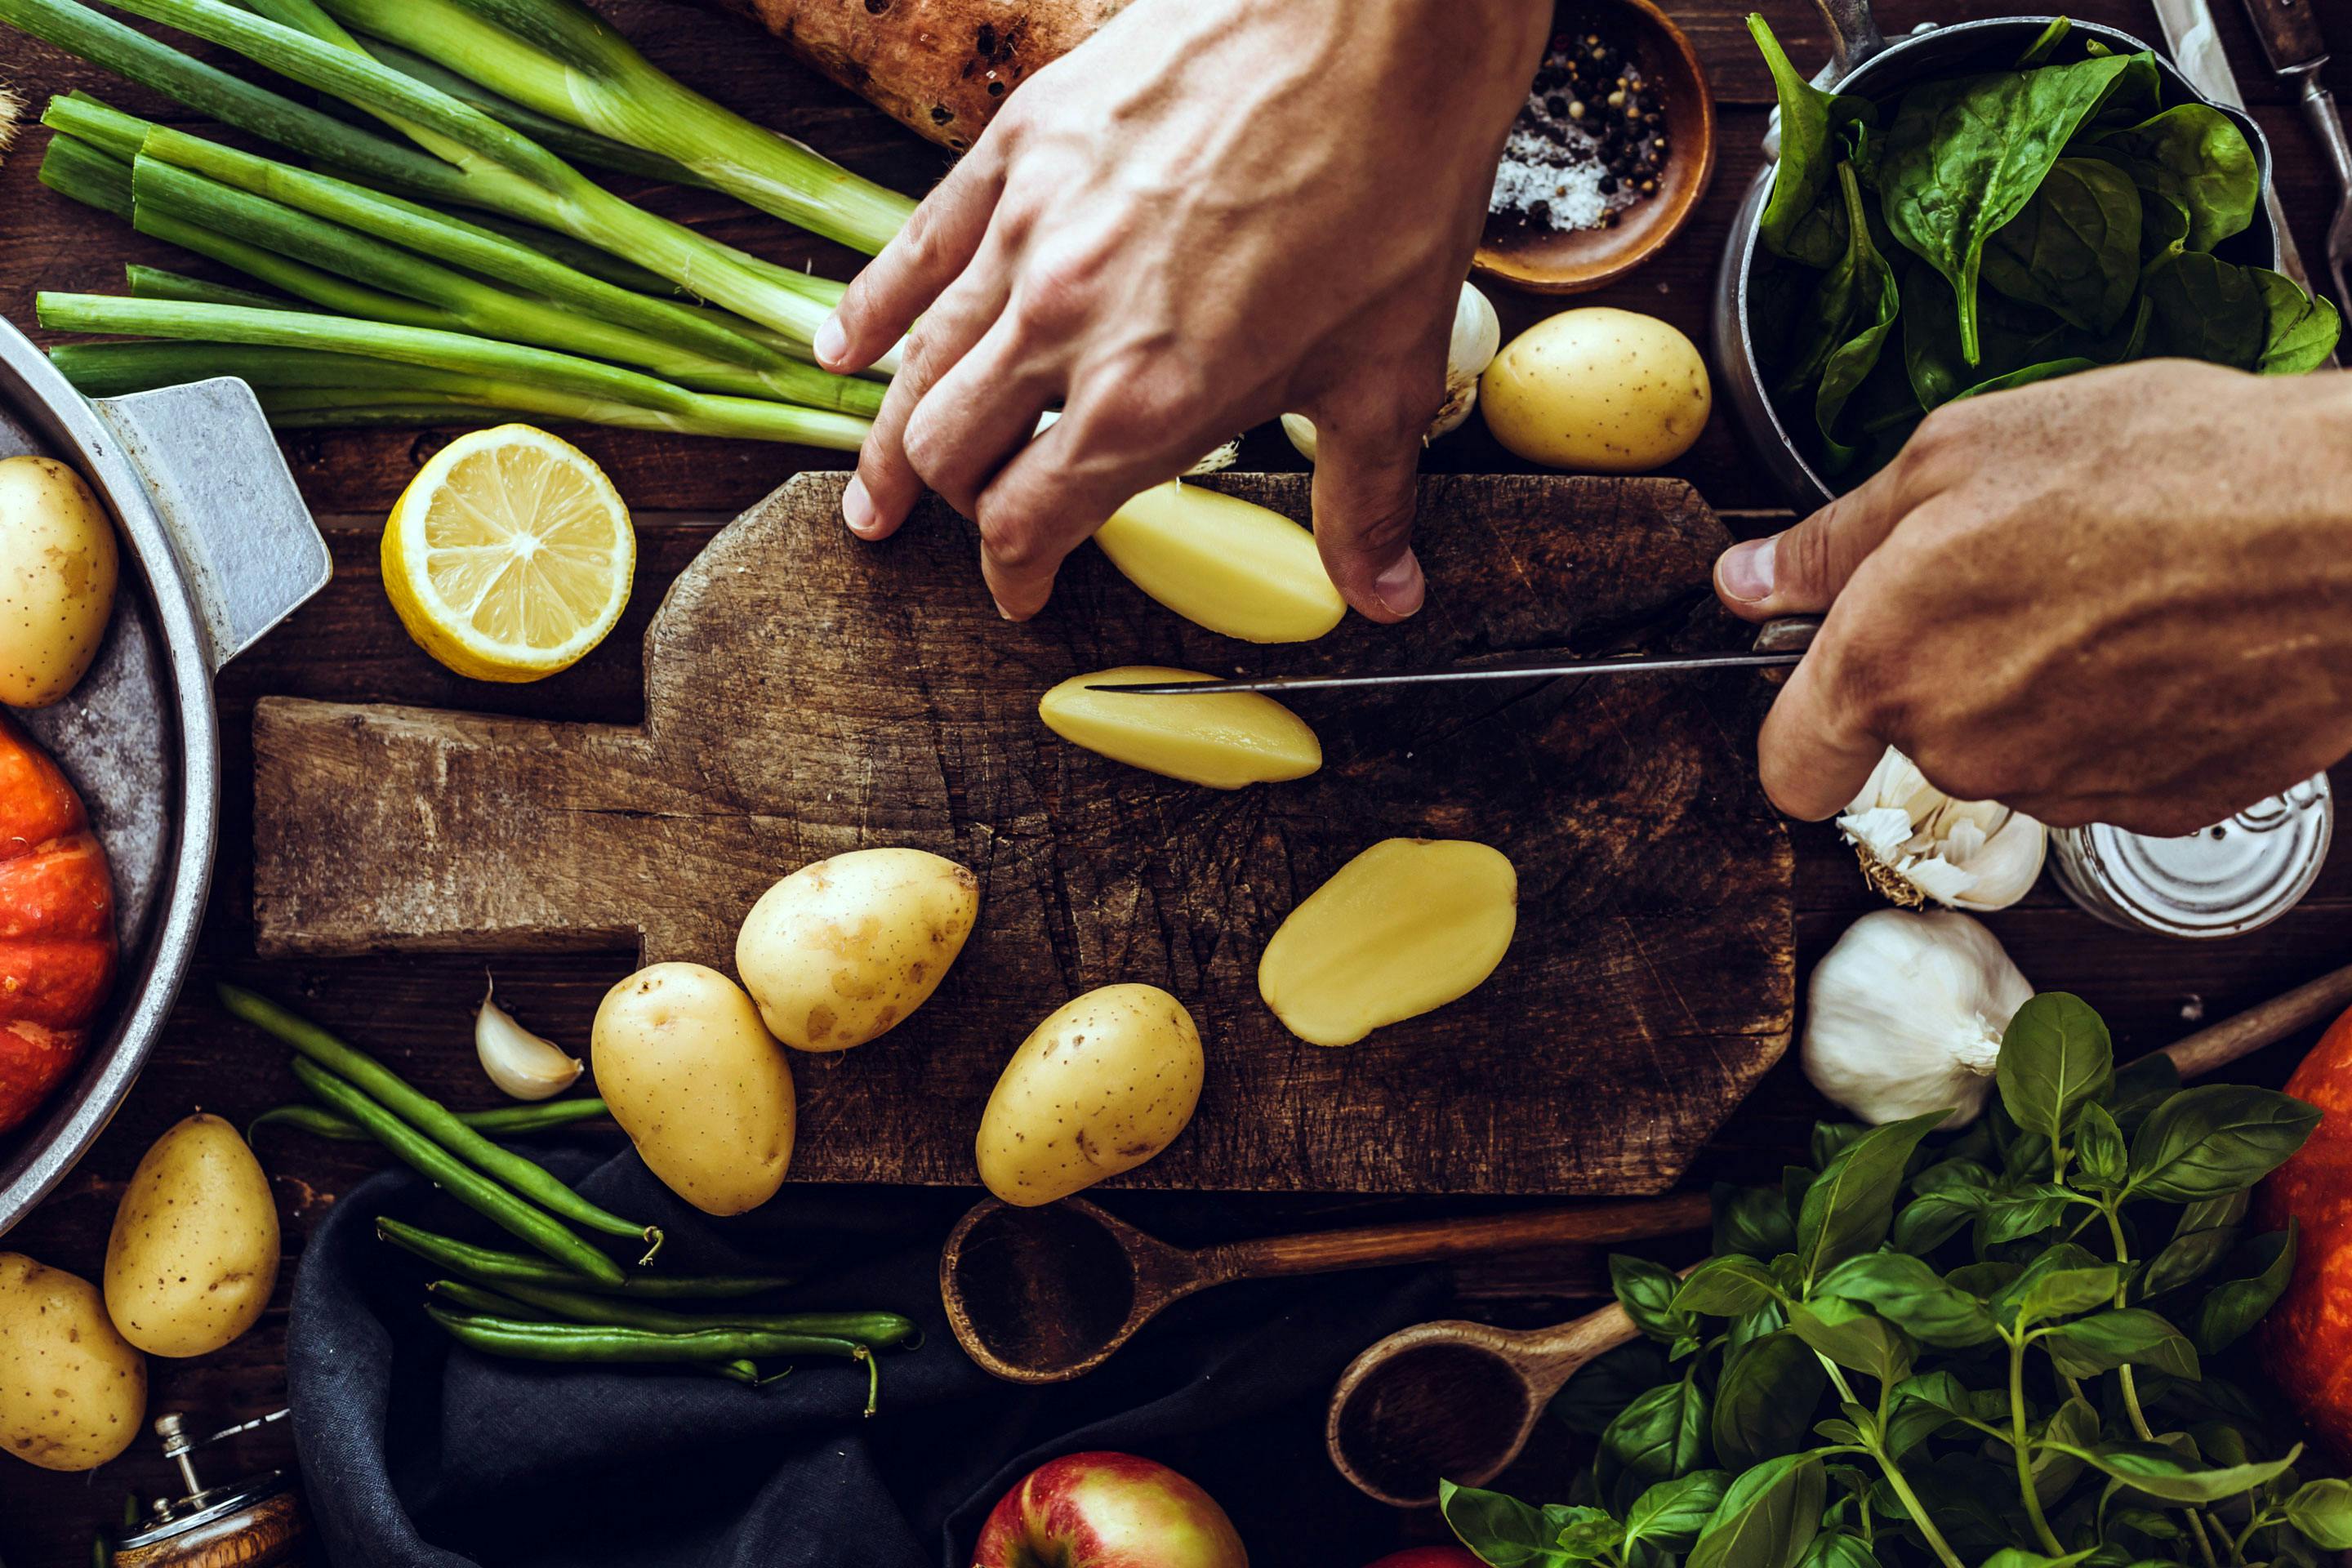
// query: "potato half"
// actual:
[[1224, 563], [193, 1253], [1225, 739], [841, 951], [1405, 927], [72, 1391], [1105, 1082]]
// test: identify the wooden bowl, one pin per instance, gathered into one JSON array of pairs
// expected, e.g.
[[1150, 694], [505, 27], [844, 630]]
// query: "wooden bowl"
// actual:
[[1546, 262]]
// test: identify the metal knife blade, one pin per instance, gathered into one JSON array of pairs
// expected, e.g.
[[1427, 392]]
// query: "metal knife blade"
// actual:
[[1544, 669]]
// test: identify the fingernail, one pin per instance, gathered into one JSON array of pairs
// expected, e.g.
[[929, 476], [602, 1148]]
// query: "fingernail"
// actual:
[[1746, 569], [857, 507], [1400, 587], [831, 342]]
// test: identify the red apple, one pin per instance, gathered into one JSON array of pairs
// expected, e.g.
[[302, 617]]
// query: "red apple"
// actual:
[[1430, 1557], [1108, 1511]]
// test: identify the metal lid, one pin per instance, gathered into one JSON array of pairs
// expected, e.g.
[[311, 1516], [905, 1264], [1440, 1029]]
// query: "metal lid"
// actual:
[[2224, 880]]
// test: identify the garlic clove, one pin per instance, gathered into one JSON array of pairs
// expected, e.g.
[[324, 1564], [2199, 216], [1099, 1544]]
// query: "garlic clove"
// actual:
[[2007, 866], [1475, 340], [1301, 431], [1905, 1015], [521, 1063], [1918, 844]]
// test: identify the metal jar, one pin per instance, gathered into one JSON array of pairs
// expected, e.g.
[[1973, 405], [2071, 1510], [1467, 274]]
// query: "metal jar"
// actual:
[[218, 549], [2222, 880]]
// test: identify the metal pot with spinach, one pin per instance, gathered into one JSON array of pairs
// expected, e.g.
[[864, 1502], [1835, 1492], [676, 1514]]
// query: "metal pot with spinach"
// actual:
[[1973, 233]]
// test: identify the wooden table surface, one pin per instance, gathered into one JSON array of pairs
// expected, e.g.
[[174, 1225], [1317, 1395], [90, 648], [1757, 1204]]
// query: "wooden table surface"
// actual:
[[346, 646]]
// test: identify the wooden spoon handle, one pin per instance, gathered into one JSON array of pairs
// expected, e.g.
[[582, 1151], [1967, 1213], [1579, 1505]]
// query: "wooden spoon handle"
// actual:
[[2267, 1023], [1434, 1241]]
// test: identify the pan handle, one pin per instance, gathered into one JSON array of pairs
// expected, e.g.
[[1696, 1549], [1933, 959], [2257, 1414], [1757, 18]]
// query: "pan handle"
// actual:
[[247, 548], [1854, 39]]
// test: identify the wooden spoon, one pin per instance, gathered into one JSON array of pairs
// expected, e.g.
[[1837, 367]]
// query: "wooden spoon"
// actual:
[[1043, 1295], [1459, 1400]]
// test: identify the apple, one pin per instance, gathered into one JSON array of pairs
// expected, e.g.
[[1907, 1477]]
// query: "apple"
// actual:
[[1430, 1557], [1108, 1511]]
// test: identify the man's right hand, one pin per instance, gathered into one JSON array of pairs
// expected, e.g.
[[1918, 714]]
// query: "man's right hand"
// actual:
[[2122, 596]]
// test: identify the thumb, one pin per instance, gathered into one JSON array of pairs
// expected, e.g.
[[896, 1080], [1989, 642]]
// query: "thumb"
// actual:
[[1364, 496], [1800, 570], [1816, 753]]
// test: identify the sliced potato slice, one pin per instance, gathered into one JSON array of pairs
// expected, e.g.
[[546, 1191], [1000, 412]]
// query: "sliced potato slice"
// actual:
[[1404, 928], [1225, 739], [1223, 564]]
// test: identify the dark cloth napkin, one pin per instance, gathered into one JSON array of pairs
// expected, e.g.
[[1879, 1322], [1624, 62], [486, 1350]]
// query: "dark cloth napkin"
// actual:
[[416, 1454]]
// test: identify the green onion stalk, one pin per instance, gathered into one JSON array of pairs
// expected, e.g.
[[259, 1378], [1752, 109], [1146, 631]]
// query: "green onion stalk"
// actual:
[[557, 58], [562, 386]]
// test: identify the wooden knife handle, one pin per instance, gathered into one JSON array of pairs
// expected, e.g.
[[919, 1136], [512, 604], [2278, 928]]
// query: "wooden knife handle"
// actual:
[[1435, 1241], [2289, 31]]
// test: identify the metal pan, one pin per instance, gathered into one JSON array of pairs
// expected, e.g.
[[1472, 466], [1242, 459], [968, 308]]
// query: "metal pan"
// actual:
[[1865, 62], [218, 548]]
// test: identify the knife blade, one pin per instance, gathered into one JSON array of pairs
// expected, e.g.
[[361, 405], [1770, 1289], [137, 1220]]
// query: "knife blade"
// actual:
[[1780, 643]]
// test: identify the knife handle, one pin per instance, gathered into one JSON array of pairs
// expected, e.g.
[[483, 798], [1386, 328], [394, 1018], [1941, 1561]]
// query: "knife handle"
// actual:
[[2290, 35], [1788, 634]]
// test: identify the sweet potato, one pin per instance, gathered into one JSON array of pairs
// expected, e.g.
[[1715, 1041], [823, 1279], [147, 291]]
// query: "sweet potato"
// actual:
[[939, 66]]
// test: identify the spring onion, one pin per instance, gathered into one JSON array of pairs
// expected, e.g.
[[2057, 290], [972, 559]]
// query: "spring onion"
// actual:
[[156, 283], [560, 60]]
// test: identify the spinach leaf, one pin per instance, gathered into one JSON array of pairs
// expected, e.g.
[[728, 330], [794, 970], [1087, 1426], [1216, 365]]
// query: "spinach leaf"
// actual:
[[2074, 250], [2206, 308], [2237, 1305], [1876, 299], [2195, 156], [1764, 1402], [1848, 1208], [2055, 1058], [1798, 220], [2015, 337], [1966, 154], [1671, 1514], [2301, 329], [1768, 1517], [2048, 370], [2213, 1140], [2045, 43], [2089, 1346]]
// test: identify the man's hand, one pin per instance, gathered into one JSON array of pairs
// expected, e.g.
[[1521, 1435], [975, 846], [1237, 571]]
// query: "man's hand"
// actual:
[[1213, 212], [2123, 596]]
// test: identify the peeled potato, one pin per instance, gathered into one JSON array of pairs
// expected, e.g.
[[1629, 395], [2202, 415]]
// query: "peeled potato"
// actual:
[[1105, 1082], [1405, 927], [1596, 389], [841, 951], [1223, 564], [697, 1083], [1225, 739], [194, 1254], [57, 566], [72, 1393]]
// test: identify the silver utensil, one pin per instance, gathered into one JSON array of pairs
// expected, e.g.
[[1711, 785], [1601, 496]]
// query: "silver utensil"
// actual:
[[2297, 50]]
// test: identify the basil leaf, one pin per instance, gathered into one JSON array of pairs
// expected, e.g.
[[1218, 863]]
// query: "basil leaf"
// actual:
[[1726, 1288], [2210, 1141], [2052, 1469], [2231, 1308], [1952, 1176], [1849, 1206], [1767, 1318], [2322, 1510], [1830, 1139], [2028, 1211], [1854, 1336], [1589, 1534], [2164, 1474], [1986, 1281], [1839, 1548], [1934, 1219], [2061, 1281], [1768, 1517], [1911, 1295], [1765, 1400], [2074, 250], [1752, 1220], [1604, 1385], [2055, 1058], [2018, 1557], [1646, 1291], [2102, 1161], [2089, 1346], [1505, 1532], [1660, 1435], [2202, 1238], [2195, 156], [1671, 1514], [2143, 1085]]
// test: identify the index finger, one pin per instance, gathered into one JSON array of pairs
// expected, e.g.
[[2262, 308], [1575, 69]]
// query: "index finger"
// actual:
[[1816, 750], [939, 241]]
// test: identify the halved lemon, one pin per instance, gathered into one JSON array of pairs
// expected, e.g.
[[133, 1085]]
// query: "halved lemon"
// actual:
[[509, 556]]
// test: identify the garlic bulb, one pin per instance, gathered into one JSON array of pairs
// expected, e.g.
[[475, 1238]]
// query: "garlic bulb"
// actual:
[[1917, 842], [519, 1062], [1905, 1015], [1478, 338]]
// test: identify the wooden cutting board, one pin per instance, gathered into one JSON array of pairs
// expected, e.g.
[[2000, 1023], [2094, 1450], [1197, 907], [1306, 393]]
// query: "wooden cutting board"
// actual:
[[807, 694]]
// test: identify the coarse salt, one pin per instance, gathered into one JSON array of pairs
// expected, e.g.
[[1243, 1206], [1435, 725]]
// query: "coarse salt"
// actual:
[[1562, 177]]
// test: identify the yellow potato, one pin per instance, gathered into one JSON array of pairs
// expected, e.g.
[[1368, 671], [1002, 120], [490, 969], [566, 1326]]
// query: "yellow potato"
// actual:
[[1223, 564], [72, 1393], [1405, 927], [1225, 739], [841, 949], [1102, 1086], [1608, 391], [705, 1094], [57, 566], [193, 1255]]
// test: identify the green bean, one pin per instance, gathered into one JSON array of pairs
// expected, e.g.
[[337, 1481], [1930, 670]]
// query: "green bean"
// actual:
[[506, 1119], [469, 1186], [433, 1119], [876, 1331], [490, 1266], [473, 1298], [602, 1345]]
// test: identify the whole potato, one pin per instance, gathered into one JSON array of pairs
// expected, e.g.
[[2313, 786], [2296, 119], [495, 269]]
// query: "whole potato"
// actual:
[[193, 1255], [1607, 391], [57, 566], [72, 1391], [841, 951], [696, 1081], [1102, 1086]]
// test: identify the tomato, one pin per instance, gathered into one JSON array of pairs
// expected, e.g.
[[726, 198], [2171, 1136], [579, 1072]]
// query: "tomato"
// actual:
[[2306, 1339]]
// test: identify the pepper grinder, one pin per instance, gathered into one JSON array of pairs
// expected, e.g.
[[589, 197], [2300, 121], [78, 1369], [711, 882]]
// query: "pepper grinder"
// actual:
[[2290, 38], [253, 1523]]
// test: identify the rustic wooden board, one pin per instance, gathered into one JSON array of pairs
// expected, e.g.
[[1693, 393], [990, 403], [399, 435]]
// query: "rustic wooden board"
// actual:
[[807, 695]]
